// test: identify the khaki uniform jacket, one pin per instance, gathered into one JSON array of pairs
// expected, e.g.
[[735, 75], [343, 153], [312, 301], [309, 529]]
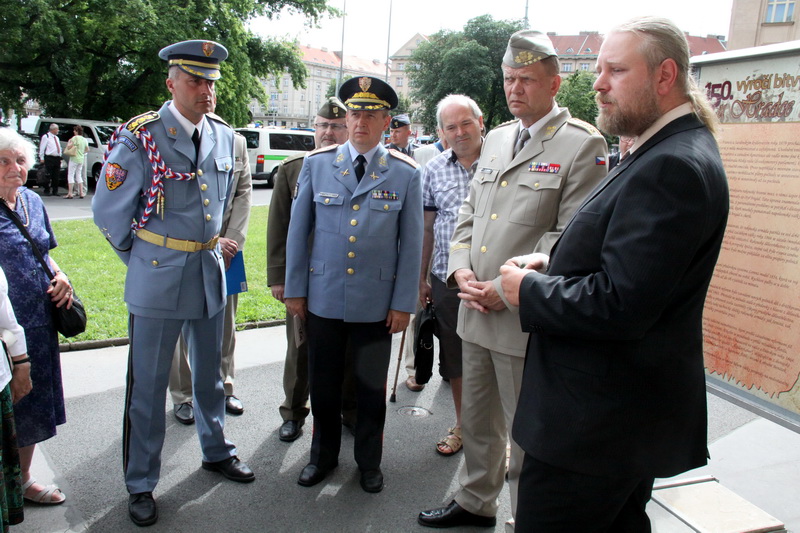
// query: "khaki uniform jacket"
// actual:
[[280, 209], [519, 205]]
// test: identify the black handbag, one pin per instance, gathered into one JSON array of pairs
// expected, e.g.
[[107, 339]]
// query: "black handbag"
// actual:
[[68, 322], [423, 344]]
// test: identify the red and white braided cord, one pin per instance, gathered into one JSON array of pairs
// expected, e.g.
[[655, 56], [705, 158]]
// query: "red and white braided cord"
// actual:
[[160, 172]]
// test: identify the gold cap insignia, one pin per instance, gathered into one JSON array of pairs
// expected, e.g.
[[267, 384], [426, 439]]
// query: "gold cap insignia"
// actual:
[[208, 48], [364, 82]]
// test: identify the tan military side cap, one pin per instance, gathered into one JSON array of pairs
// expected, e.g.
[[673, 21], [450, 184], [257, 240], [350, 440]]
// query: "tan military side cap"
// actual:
[[333, 108], [526, 47]]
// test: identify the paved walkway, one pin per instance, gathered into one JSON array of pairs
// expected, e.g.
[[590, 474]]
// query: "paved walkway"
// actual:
[[758, 460]]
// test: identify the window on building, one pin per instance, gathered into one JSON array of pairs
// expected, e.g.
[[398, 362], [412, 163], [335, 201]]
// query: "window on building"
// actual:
[[285, 96], [401, 66], [399, 82], [584, 66], [285, 82], [570, 50], [319, 72], [566, 67], [780, 11], [319, 86], [285, 110], [302, 97], [273, 96]]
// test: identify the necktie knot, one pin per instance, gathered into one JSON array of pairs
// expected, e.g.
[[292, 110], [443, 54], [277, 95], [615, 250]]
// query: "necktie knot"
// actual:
[[196, 141], [361, 163]]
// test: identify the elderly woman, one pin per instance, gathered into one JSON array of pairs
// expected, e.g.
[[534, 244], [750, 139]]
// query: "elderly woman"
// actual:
[[11, 389], [30, 292]]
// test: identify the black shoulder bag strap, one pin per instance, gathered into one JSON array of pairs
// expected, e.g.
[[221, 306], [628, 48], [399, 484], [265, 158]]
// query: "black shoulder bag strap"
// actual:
[[17, 222]]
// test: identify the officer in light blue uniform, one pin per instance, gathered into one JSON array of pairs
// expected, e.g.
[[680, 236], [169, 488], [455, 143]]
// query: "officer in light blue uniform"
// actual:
[[358, 281], [175, 279]]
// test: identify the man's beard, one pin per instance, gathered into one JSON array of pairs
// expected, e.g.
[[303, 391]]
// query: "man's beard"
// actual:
[[633, 119]]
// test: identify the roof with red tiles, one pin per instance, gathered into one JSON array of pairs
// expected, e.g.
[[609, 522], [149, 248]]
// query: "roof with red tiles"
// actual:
[[325, 58]]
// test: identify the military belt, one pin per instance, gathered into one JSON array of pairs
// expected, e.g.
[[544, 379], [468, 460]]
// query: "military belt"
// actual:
[[176, 244]]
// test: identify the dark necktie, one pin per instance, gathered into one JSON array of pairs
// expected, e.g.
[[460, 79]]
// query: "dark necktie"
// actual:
[[196, 141], [361, 163]]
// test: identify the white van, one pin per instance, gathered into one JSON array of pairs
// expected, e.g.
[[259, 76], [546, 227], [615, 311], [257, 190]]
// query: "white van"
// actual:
[[267, 147], [97, 134]]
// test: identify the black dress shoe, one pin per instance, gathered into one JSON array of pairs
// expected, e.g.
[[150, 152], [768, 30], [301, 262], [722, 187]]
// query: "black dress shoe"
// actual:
[[290, 430], [452, 516], [372, 480], [232, 468], [233, 405], [142, 509], [312, 474], [184, 413]]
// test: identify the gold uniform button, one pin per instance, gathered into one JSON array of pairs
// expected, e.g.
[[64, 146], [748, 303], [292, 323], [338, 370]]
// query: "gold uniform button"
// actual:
[[351, 254], [203, 187], [356, 207], [354, 222], [483, 249], [227, 166], [208, 217], [206, 201], [385, 207], [536, 184], [352, 238], [311, 269], [494, 216], [351, 271], [155, 263], [199, 172], [327, 200], [503, 183]]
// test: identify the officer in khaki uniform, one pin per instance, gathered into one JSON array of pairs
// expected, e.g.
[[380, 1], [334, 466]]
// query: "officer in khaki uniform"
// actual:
[[175, 270], [232, 237], [532, 175], [357, 283], [329, 129]]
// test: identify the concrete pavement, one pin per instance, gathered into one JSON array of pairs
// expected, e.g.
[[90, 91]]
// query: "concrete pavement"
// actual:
[[754, 458]]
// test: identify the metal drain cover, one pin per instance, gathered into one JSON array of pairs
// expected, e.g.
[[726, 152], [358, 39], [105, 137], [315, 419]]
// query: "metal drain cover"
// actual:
[[412, 410]]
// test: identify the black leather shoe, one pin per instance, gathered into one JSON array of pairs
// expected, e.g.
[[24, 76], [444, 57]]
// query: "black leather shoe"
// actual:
[[372, 480], [142, 509], [452, 516], [311, 475], [232, 468], [290, 430], [233, 405], [184, 413]]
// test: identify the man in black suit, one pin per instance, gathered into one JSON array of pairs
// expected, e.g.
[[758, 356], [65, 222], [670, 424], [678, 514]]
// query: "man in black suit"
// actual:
[[613, 393]]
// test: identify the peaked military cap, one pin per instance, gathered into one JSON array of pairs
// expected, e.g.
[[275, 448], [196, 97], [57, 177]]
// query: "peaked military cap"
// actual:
[[399, 121], [366, 92], [196, 57], [333, 108], [526, 47]]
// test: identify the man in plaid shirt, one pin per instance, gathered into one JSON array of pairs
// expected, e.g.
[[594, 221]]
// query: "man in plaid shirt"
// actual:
[[445, 185]]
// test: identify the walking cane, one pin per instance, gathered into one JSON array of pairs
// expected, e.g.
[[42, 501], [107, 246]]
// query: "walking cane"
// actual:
[[393, 397]]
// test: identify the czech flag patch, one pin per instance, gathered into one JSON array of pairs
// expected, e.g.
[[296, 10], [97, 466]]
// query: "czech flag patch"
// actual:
[[600, 160]]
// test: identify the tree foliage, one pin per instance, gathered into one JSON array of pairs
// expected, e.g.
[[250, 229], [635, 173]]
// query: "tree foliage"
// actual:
[[464, 62], [98, 59], [577, 94]]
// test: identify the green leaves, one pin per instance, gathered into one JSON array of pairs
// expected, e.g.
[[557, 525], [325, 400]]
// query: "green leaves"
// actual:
[[98, 59]]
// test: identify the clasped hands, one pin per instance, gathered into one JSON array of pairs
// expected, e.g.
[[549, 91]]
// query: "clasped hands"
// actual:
[[482, 295]]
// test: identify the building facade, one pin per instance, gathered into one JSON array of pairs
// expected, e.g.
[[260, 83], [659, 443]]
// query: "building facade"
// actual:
[[296, 108], [759, 22]]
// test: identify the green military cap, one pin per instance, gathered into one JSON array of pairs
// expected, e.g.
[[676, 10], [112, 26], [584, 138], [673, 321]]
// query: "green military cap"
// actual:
[[366, 92], [526, 47], [196, 57], [332, 108]]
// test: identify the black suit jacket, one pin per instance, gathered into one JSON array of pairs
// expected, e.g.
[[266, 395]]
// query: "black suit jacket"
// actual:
[[614, 381]]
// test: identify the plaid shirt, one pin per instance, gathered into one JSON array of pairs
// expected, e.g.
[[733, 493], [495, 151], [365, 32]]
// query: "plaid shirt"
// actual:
[[445, 186]]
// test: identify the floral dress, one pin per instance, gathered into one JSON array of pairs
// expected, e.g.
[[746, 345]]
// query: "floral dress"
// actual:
[[38, 413]]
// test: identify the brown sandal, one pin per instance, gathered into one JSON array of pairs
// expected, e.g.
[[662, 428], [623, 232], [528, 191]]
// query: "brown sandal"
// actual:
[[451, 441]]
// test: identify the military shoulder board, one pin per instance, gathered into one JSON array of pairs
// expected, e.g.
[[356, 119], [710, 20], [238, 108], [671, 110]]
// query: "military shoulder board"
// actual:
[[403, 157], [135, 123], [324, 149], [584, 125]]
